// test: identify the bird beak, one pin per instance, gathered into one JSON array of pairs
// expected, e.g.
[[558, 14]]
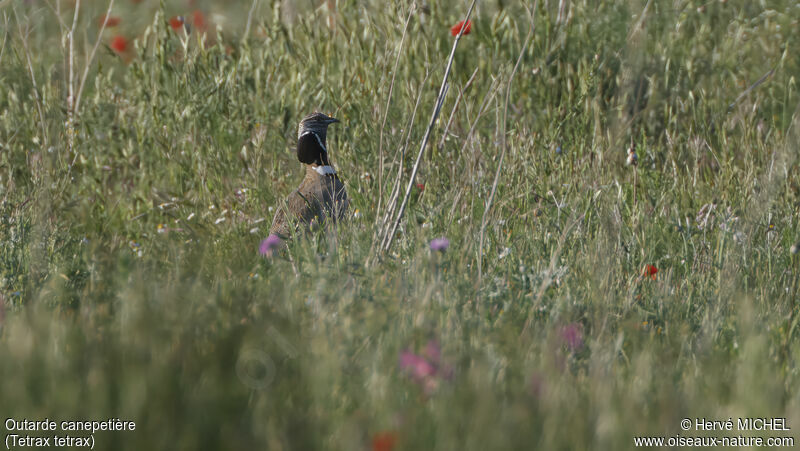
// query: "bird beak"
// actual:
[[333, 120]]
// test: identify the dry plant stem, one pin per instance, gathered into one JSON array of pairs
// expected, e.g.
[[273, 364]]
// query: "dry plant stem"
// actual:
[[71, 80], [5, 37], [490, 93], [294, 265], [484, 107], [468, 139], [640, 22], [57, 12], [752, 87], [386, 110], [438, 107], [792, 306], [502, 143], [455, 106], [392, 227], [330, 9], [548, 278], [90, 58], [63, 26], [24, 39], [250, 19], [396, 185]]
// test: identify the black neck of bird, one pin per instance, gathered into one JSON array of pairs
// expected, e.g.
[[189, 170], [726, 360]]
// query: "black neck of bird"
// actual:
[[311, 150]]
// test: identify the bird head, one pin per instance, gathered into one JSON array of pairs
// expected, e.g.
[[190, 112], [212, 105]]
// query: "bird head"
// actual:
[[311, 139]]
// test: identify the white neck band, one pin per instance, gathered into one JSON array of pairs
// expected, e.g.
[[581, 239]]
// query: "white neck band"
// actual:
[[324, 170]]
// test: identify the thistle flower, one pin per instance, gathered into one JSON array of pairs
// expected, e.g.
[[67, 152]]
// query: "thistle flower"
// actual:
[[440, 244], [416, 366], [572, 336], [425, 369], [269, 245]]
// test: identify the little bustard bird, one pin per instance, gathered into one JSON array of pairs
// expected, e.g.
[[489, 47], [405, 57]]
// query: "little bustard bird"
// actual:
[[321, 195]]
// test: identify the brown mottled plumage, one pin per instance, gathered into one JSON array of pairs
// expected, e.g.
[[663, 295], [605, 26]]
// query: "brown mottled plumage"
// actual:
[[321, 195]]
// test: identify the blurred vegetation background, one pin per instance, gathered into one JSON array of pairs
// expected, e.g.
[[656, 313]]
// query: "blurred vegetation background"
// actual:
[[614, 300]]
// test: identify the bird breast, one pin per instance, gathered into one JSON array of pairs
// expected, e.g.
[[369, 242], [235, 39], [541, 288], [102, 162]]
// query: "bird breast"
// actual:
[[326, 190]]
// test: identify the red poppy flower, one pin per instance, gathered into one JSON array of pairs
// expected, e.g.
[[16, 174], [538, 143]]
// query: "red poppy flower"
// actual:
[[383, 441], [110, 21], [199, 20], [176, 22], [119, 44], [650, 270], [420, 186], [457, 28]]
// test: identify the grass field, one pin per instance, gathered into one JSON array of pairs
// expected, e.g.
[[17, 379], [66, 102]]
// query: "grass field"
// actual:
[[582, 303]]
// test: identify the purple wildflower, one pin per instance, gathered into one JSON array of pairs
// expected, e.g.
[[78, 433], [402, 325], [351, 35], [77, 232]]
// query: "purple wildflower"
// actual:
[[417, 366], [269, 245], [572, 336], [440, 244], [425, 369]]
